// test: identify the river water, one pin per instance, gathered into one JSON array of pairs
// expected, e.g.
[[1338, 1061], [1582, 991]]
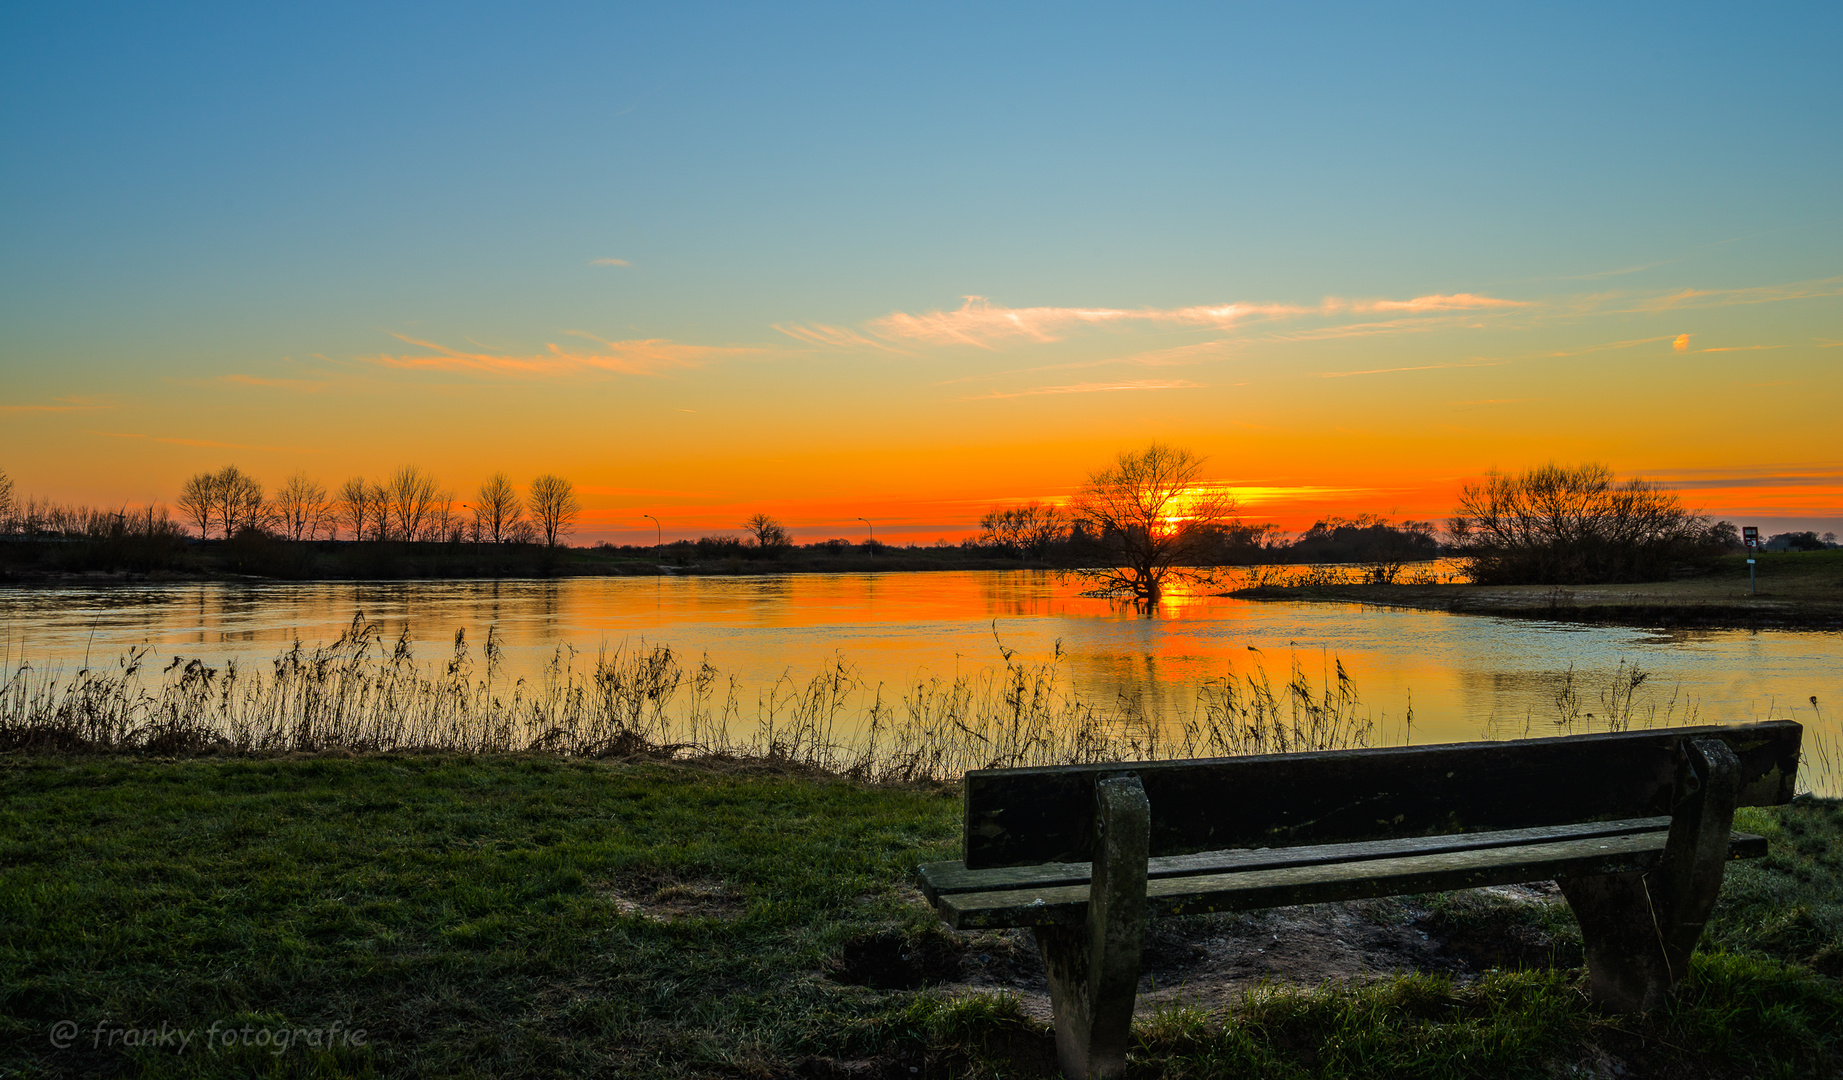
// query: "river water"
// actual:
[[1422, 676]]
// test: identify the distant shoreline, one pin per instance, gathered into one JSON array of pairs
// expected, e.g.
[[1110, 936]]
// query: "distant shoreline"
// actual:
[[78, 563], [1801, 591]]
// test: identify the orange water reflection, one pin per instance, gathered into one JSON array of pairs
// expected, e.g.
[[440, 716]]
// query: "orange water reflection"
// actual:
[[1463, 677]]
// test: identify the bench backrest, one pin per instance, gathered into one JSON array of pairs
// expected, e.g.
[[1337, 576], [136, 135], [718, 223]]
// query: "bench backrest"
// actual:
[[1017, 817]]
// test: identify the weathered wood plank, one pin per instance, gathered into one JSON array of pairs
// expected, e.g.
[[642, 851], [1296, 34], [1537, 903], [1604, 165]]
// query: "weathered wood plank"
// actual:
[[1017, 817], [1283, 886], [943, 878]]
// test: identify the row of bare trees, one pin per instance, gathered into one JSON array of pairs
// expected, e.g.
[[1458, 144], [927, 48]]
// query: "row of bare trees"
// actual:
[[408, 505], [1025, 530], [32, 516]]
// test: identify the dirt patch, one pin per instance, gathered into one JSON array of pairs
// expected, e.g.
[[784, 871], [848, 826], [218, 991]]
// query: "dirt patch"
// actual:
[[668, 899], [1208, 961], [888, 960]]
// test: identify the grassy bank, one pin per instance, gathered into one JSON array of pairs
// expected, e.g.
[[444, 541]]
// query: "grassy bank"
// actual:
[[1795, 589], [538, 916]]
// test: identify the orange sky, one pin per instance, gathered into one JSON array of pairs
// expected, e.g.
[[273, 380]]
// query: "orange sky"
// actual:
[[922, 420], [840, 263]]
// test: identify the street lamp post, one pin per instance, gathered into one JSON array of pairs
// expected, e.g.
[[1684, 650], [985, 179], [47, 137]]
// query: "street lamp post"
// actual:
[[873, 537], [658, 535]]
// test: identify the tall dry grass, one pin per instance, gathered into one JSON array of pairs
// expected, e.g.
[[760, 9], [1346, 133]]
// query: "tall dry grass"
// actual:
[[365, 692]]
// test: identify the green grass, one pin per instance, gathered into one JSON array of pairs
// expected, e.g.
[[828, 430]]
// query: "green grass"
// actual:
[[537, 916]]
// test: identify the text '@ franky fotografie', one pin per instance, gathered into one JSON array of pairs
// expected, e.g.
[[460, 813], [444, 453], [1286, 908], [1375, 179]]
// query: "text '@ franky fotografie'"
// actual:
[[278, 1040]]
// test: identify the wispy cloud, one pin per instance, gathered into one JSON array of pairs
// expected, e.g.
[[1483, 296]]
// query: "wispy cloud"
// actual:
[[650, 356], [1691, 478], [1743, 348], [302, 385], [1760, 294], [1412, 325], [1417, 367], [598, 489], [1173, 357], [979, 322], [982, 324], [1264, 493], [1606, 346], [835, 336], [59, 405], [207, 443], [1452, 302], [1626, 270], [609, 262], [1096, 388]]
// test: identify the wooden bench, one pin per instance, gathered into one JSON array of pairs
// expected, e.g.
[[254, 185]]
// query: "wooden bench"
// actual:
[[1634, 826]]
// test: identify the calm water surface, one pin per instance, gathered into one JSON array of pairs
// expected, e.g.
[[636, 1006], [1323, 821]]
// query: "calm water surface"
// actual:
[[1465, 677]]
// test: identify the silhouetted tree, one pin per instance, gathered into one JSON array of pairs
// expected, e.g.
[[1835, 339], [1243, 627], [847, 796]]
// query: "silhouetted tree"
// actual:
[[301, 507], [229, 497], [9, 513], [553, 504], [497, 508], [198, 501], [767, 533], [1368, 538], [1799, 541], [1574, 525], [1028, 529], [1153, 515], [409, 497], [240, 502], [444, 524], [352, 507]]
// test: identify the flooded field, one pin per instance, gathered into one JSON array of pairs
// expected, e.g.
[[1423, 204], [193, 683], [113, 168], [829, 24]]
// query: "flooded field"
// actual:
[[1418, 676]]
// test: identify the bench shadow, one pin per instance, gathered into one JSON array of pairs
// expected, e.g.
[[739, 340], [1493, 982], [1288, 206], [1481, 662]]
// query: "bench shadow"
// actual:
[[1207, 962]]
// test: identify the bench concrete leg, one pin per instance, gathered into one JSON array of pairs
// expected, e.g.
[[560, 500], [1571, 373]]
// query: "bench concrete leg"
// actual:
[[1094, 968], [1640, 928]]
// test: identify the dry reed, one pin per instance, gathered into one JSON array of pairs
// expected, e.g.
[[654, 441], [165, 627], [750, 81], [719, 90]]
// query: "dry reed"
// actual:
[[368, 693], [365, 692]]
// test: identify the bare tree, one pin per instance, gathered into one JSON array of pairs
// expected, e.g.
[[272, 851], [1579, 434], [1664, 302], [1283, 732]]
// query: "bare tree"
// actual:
[[497, 508], [352, 507], [198, 500], [229, 496], [1154, 514], [553, 503], [767, 533], [1028, 529], [444, 523], [8, 511], [1575, 524], [301, 506], [409, 498], [377, 500]]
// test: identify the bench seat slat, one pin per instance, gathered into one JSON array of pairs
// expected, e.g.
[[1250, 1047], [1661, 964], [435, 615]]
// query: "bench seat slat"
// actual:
[[1279, 886], [945, 878]]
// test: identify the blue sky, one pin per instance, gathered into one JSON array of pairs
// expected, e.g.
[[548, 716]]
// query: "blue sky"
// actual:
[[196, 194]]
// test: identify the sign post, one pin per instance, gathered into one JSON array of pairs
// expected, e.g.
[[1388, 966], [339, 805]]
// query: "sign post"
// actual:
[[1751, 537]]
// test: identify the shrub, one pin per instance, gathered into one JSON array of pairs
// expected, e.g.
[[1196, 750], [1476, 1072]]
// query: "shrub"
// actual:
[[1576, 525]]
